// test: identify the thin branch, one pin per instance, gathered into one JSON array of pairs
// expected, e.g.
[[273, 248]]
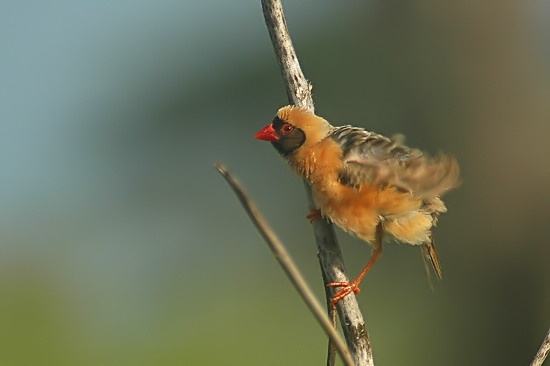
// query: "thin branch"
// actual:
[[298, 89], [331, 350], [543, 351], [332, 265], [288, 265]]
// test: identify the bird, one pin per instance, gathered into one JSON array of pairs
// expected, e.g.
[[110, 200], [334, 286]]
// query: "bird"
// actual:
[[367, 184]]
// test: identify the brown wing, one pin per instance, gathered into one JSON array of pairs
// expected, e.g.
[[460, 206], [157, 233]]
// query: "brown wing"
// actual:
[[375, 159]]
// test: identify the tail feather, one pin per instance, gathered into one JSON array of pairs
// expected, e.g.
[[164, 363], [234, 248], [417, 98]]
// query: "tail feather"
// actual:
[[429, 256]]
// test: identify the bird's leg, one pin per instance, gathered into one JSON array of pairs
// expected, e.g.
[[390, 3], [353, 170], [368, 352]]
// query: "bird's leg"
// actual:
[[314, 214], [349, 287]]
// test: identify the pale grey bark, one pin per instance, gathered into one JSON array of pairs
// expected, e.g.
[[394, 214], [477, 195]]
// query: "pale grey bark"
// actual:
[[543, 351], [281, 254], [330, 258]]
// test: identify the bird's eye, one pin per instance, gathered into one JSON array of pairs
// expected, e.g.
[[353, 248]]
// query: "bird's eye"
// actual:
[[287, 128]]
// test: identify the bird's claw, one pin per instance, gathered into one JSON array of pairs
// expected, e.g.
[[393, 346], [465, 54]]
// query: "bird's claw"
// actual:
[[348, 288], [314, 214]]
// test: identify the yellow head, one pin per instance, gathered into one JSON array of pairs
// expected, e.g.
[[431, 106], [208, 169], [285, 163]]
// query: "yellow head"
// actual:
[[294, 128]]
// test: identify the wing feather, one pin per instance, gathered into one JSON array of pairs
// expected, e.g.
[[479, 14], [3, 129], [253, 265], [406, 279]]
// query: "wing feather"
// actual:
[[375, 159]]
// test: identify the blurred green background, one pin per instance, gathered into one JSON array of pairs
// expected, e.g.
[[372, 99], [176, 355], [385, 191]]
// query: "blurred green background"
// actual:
[[121, 244]]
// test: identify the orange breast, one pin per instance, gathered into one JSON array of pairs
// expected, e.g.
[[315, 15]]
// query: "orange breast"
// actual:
[[355, 210], [360, 211]]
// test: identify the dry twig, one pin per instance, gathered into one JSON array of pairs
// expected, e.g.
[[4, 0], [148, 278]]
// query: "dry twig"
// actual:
[[332, 265], [543, 351], [288, 265]]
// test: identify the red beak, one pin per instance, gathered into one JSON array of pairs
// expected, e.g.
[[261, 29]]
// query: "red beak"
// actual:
[[267, 133]]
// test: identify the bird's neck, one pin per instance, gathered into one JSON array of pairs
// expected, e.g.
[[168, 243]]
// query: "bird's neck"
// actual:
[[318, 163]]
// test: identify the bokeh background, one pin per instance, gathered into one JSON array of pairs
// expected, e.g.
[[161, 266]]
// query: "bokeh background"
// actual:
[[121, 245]]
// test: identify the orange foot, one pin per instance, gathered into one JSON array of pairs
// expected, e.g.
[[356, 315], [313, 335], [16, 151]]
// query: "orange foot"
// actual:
[[314, 215], [348, 288]]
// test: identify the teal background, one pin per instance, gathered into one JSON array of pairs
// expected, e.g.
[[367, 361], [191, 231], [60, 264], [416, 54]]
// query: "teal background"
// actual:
[[121, 245]]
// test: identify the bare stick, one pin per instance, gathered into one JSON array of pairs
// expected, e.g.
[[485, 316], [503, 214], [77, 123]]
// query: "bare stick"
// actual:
[[332, 265], [288, 265], [331, 351], [543, 351], [298, 89]]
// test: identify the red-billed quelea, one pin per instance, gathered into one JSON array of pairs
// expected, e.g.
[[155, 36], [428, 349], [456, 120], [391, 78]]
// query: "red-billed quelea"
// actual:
[[365, 183]]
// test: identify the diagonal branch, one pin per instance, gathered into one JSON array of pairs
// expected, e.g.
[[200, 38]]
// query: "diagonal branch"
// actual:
[[298, 89], [288, 265], [330, 258], [543, 351]]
